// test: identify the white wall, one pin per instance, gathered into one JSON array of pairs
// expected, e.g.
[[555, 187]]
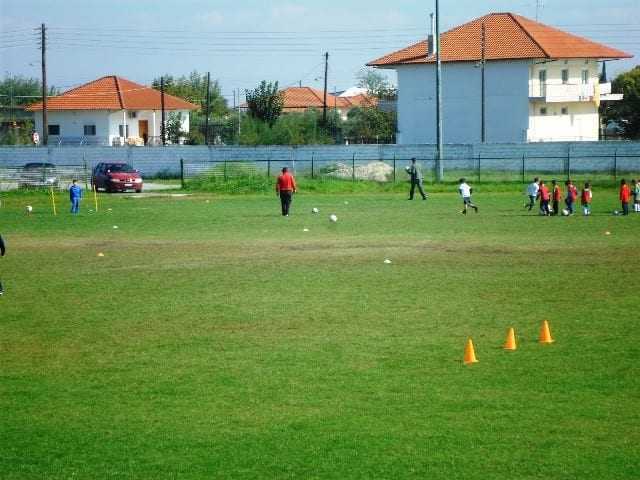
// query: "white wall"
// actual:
[[506, 102], [580, 123], [72, 122]]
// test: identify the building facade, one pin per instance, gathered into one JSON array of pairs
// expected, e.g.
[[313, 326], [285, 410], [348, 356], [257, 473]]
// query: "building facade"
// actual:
[[540, 84]]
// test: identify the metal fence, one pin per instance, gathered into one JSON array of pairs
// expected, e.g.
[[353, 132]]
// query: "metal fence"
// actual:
[[521, 169], [43, 177]]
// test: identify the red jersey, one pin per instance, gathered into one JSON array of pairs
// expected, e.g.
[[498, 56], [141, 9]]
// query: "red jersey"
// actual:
[[286, 182], [586, 196], [624, 193], [544, 193], [557, 193], [572, 192]]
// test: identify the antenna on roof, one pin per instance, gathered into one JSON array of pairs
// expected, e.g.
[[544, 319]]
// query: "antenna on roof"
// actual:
[[539, 7]]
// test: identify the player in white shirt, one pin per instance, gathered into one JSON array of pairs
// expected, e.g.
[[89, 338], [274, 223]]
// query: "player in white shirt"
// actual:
[[532, 192], [465, 192]]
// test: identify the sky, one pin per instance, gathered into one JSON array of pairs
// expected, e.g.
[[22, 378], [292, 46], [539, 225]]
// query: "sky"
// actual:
[[242, 42]]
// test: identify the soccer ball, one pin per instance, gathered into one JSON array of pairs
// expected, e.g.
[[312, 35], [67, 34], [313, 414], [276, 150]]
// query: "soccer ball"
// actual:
[[315, 210], [565, 212], [407, 169], [333, 218], [29, 209], [616, 212]]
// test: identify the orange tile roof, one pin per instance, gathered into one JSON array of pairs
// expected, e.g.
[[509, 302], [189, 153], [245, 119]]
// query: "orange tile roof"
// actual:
[[113, 93], [507, 37], [307, 97]]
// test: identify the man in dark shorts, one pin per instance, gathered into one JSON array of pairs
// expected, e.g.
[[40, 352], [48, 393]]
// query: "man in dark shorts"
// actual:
[[415, 173], [285, 188]]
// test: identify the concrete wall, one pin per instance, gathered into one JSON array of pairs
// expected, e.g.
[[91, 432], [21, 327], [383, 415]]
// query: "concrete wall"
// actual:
[[506, 102], [151, 161]]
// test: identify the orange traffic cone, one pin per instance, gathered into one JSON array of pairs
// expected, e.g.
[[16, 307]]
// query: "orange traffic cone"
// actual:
[[510, 342], [469, 353], [545, 333]]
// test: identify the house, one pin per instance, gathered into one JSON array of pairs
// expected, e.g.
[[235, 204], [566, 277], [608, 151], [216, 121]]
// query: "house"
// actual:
[[110, 111], [541, 84], [299, 99]]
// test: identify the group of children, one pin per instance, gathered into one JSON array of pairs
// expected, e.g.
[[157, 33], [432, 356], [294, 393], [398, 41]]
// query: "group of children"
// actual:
[[550, 198]]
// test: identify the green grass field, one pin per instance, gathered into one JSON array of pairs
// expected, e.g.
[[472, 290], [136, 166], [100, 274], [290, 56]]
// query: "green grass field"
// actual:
[[217, 339]]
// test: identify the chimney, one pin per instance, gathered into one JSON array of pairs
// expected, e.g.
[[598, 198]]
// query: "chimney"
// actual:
[[430, 43]]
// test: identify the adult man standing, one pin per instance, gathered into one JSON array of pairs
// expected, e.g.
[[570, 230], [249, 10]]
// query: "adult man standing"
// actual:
[[285, 188], [2, 250], [415, 172]]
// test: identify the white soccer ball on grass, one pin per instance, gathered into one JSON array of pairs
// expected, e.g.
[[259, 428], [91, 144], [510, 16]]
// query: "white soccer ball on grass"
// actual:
[[565, 212], [29, 209], [333, 218], [315, 210]]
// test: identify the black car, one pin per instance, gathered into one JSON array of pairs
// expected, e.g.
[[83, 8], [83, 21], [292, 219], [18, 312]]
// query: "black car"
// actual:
[[38, 175]]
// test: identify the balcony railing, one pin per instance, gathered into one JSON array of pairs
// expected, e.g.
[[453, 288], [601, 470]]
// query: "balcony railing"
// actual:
[[568, 92]]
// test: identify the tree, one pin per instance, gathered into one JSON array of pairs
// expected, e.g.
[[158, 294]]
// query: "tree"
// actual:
[[265, 102], [626, 113], [370, 125], [174, 127], [376, 84]]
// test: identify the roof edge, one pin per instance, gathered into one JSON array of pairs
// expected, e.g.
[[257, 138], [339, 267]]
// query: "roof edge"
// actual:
[[528, 34]]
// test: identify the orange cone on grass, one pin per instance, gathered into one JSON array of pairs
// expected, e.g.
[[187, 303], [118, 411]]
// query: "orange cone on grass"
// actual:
[[469, 353], [510, 342], [545, 333]]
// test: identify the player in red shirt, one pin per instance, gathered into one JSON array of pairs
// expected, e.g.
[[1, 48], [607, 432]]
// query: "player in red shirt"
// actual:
[[625, 194], [285, 188], [572, 196], [556, 196], [543, 195]]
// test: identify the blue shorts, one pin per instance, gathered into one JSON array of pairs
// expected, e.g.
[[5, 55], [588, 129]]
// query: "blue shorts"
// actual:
[[466, 200]]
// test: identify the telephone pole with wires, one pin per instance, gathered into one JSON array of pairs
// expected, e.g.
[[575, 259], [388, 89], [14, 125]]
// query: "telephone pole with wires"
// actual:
[[483, 44], [440, 142], [206, 120], [162, 124], [324, 103], [43, 48]]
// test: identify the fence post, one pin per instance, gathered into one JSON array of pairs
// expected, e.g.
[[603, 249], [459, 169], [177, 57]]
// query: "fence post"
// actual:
[[479, 166], [312, 172], [615, 165], [523, 170], [269, 166], [86, 174], [568, 169], [181, 173], [394, 167], [224, 171], [353, 168]]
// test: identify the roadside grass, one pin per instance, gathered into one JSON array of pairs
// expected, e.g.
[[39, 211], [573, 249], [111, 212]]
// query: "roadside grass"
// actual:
[[216, 339]]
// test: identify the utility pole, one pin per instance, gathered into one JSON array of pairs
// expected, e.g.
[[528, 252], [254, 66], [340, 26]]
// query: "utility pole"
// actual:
[[206, 121], [539, 7], [483, 43], [239, 116], [162, 125], [43, 48], [440, 147], [324, 104]]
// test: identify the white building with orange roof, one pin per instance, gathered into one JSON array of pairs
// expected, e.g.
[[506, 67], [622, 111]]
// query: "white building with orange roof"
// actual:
[[110, 110], [299, 99], [541, 84]]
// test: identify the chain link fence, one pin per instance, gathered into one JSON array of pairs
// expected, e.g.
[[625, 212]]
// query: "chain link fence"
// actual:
[[597, 169], [43, 176]]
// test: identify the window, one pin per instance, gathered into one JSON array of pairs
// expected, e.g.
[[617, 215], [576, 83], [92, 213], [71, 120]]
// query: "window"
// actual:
[[53, 129], [542, 78], [565, 76], [585, 77], [133, 114], [565, 111], [89, 130], [122, 131], [543, 111]]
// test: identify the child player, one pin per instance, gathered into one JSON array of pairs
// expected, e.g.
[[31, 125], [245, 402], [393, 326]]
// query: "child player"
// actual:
[[572, 195], [585, 198], [532, 192], [543, 194], [75, 194], [625, 193], [635, 191], [465, 192]]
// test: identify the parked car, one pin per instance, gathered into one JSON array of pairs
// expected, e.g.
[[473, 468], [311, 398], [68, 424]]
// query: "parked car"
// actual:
[[38, 175], [116, 177]]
